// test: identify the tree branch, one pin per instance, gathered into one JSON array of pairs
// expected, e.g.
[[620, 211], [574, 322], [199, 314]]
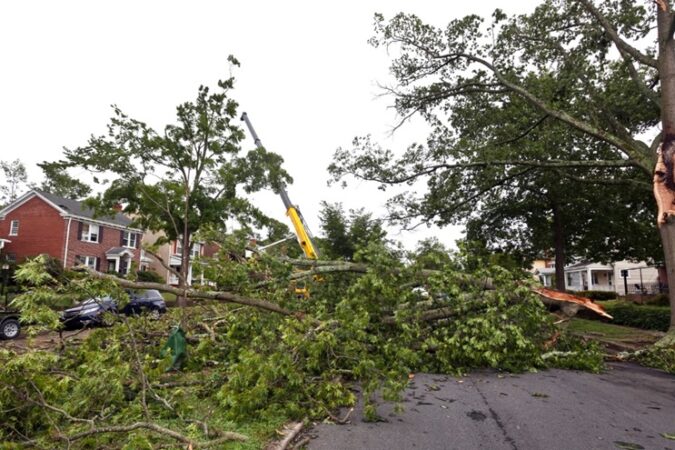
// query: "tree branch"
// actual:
[[622, 45], [164, 264], [228, 436], [550, 164], [193, 293], [563, 116]]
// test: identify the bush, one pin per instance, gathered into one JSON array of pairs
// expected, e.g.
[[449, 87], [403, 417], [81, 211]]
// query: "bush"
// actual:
[[597, 295], [149, 276], [647, 317], [659, 300]]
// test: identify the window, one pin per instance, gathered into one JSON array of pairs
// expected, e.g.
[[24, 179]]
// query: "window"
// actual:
[[90, 232], [89, 261], [196, 249], [14, 228], [129, 239]]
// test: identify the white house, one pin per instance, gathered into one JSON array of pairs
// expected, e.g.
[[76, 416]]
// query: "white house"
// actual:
[[591, 276]]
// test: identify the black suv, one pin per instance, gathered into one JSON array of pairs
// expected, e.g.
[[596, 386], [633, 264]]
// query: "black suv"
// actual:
[[92, 311]]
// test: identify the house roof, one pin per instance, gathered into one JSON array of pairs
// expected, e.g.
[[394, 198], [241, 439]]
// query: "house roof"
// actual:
[[69, 208], [583, 265]]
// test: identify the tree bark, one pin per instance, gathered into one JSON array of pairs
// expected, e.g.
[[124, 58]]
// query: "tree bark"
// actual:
[[559, 247], [666, 67]]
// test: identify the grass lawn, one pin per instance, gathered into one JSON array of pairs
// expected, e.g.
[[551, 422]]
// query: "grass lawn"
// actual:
[[613, 337]]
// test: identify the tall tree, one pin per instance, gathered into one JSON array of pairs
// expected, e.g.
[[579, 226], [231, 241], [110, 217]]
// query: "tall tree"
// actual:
[[15, 179], [599, 70], [345, 233], [188, 176]]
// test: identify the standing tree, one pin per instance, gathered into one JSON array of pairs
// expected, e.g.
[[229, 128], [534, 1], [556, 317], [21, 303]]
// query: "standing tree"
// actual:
[[15, 176], [344, 235], [189, 176], [598, 70]]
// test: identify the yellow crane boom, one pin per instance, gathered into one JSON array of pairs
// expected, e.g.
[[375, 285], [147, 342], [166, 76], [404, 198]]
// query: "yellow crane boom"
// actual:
[[302, 232]]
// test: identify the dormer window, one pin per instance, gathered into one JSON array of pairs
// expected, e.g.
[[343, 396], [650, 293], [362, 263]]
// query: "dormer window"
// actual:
[[90, 232]]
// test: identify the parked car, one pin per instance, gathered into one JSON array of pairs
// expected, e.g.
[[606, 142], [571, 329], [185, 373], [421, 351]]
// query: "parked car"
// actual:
[[9, 324], [89, 312], [92, 311], [147, 301]]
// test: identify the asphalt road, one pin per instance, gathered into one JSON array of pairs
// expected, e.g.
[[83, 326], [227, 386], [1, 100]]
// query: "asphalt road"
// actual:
[[627, 407]]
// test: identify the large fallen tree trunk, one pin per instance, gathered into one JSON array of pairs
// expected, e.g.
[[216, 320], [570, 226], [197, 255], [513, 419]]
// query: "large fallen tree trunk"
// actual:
[[569, 304], [195, 293]]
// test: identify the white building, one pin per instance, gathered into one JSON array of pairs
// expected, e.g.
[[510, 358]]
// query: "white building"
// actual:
[[590, 276]]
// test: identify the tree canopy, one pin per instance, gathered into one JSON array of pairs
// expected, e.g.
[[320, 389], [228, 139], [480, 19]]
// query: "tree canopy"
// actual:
[[537, 121], [188, 176], [15, 180], [344, 234]]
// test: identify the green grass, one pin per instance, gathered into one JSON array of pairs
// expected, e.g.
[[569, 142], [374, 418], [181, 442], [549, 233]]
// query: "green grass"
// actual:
[[169, 296], [602, 329], [614, 337]]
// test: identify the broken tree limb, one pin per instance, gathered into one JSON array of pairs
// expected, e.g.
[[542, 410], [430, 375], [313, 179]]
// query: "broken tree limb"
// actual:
[[194, 293], [569, 304], [291, 434], [227, 436], [315, 267]]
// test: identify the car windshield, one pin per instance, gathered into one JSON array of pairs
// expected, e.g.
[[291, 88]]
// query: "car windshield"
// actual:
[[97, 300], [150, 294]]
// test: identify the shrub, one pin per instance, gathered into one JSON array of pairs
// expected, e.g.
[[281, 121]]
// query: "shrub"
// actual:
[[659, 300], [647, 317], [598, 295], [149, 276]]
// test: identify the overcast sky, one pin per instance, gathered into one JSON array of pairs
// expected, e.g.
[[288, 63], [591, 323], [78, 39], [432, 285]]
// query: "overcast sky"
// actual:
[[308, 79]]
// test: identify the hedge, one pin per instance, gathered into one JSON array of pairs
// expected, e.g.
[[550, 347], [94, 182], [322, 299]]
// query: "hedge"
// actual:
[[647, 317], [598, 295]]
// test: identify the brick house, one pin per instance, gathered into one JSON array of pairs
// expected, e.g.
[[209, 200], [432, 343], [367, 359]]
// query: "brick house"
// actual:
[[41, 223]]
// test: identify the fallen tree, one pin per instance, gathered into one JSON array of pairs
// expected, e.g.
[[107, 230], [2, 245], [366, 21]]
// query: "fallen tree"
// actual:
[[267, 356]]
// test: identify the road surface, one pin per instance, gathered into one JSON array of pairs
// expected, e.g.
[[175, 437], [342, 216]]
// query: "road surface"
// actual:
[[627, 407]]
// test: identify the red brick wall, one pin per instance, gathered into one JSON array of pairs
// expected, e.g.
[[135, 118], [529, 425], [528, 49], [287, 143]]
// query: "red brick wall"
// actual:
[[41, 230], [111, 238]]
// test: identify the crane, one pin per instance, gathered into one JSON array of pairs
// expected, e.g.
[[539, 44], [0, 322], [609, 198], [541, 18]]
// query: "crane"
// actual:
[[302, 232]]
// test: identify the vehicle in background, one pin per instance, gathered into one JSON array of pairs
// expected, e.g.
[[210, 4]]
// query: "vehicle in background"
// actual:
[[93, 311], [147, 301], [9, 324], [89, 312]]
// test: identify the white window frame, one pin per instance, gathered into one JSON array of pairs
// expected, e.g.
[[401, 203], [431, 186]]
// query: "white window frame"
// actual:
[[195, 252], [89, 261], [128, 237], [87, 234], [14, 228]]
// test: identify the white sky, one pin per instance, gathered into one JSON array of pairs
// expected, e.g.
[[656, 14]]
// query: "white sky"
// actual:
[[308, 79]]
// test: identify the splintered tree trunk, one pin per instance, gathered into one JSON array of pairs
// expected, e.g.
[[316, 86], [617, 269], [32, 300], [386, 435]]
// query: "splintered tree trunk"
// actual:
[[664, 173], [559, 248]]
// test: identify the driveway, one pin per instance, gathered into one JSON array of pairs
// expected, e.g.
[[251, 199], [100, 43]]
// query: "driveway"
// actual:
[[627, 407]]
